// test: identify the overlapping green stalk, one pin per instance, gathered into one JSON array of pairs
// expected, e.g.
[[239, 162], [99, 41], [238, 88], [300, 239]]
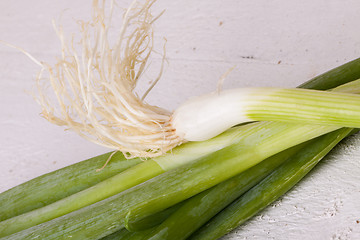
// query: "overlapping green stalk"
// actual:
[[168, 188], [196, 211], [205, 173], [51, 187], [271, 188], [110, 186]]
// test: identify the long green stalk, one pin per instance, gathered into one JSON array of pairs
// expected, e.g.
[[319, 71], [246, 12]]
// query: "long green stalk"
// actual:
[[86, 186], [161, 192], [45, 189], [267, 139], [196, 210], [312, 107], [51, 187], [271, 188], [122, 181], [34, 224]]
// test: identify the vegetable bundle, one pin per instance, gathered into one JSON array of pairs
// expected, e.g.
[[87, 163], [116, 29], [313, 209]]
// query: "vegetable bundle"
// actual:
[[235, 170]]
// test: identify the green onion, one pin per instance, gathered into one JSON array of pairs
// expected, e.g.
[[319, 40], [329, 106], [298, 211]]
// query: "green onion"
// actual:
[[189, 221], [199, 209], [266, 140], [271, 188], [167, 189], [111, 186], [44, 190], [93, 93], [267, 132], [41, 191]]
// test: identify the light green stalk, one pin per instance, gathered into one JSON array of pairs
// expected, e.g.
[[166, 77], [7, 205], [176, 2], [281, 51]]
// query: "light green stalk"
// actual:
[[206, 116], [168, 189], [120, 182], [51, 187], [196, 211], [310, 106], [271, 188]]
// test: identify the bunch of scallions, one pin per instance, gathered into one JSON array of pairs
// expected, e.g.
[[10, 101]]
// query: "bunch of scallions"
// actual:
[[208, 167]]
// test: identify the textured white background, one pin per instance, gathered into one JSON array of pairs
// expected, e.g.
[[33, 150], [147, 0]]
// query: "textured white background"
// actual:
[[272, 43]]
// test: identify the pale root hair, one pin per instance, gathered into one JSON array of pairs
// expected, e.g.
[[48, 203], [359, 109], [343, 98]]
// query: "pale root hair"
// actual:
[[93, 84]]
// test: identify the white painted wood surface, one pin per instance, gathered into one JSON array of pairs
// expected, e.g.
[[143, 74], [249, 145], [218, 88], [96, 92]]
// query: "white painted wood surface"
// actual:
[[272, 43]]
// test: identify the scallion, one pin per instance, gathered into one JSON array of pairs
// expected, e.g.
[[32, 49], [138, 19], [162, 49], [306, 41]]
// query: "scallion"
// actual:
[[95, 98], [271, 188]]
